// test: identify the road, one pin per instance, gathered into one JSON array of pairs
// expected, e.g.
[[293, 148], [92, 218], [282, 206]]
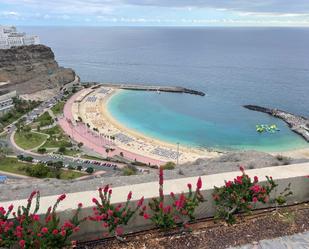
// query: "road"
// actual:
[[29, 117]]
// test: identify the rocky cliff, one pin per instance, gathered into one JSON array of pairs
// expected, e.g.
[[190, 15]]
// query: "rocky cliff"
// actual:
[[29, 69]]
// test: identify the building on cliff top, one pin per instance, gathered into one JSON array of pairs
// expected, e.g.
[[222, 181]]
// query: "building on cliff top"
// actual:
[[6, 101], [9, 37]]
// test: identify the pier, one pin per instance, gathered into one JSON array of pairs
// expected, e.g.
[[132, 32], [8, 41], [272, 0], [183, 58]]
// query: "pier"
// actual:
[[298, 124], [140, 87]]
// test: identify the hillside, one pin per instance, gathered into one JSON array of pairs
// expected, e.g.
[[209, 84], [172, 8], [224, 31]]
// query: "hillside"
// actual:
[[29, 69]]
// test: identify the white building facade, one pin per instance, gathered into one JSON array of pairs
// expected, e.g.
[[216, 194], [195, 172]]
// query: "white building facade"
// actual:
[[6, 102], [9, 37]]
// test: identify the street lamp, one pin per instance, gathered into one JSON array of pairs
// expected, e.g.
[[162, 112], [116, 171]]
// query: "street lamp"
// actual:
[[177, 153]]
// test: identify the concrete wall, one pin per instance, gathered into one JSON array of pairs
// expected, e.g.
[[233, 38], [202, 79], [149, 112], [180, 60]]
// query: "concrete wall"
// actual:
[[283, 175]]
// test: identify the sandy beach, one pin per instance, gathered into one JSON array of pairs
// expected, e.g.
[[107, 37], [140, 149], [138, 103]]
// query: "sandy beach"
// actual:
[[93, 110], [91, 106]]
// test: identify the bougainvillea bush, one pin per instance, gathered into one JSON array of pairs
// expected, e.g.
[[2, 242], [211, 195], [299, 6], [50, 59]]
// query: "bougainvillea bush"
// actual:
[[166, 215], [28, 230], [241, 195], [113, 217]]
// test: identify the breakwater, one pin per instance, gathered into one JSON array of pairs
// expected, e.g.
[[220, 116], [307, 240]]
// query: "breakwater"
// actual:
[[298, 124], [137, 87]]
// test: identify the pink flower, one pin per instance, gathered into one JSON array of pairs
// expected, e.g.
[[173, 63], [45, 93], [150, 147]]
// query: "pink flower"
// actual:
[[61, 197], [76, 229], [199, 183], [161, 205], [161, 176], [55, 232], [256, 188], [95, 201], [98, 217], [119, 231], [80, 205], [44, 230], [68, 224], [181, 201], [256, 179], [140, 202], [32, 195], [106, 188], [189, 186], [22, 243], [238, 180], [10, 208], [146, 216], [167, 209], [116, 220], [36, 217], [110, 192], [129, 196], [48, 218], [228, 184], [110, 212], [242, 169], [255, 200], [172, 195], [105, 224], [63, 233]]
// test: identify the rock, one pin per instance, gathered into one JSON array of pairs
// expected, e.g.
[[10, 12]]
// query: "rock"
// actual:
[[33, 68], [298, 124]]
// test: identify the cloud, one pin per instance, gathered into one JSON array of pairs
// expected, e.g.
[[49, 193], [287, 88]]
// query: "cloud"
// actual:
[[157, 12], [9, 14], [263, 6], [106, 6]]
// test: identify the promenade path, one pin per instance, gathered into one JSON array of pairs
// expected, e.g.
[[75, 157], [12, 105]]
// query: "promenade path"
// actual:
[[79, 132], [296, 241]]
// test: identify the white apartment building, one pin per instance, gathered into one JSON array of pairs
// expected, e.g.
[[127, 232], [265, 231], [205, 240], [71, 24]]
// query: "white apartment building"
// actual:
[[9, 37], [6, 102]]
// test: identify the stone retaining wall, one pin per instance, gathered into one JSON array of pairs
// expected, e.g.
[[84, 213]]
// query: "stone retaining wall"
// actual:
[[283, 175]]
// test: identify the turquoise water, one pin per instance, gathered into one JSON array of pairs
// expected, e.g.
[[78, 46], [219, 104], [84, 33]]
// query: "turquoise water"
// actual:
[[234, 66], [159, 116]]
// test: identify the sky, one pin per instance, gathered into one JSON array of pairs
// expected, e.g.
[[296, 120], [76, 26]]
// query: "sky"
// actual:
[[155, 12]]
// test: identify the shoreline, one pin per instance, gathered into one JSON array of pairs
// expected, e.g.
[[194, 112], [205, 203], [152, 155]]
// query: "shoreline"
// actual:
[[186, 147], [93, 110], [139, 135], [113, 126]]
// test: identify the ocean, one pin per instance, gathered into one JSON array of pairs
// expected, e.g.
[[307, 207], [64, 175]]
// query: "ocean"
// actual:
[[233, 66]]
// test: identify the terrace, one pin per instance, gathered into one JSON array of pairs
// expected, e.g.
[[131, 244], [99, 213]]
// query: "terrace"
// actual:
[[293, 175]]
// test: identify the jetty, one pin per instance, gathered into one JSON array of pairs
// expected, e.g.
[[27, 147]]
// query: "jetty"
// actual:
[[142, 87], [298, 124]]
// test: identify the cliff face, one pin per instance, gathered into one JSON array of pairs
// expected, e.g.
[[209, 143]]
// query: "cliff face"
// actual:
[[29, 69]]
